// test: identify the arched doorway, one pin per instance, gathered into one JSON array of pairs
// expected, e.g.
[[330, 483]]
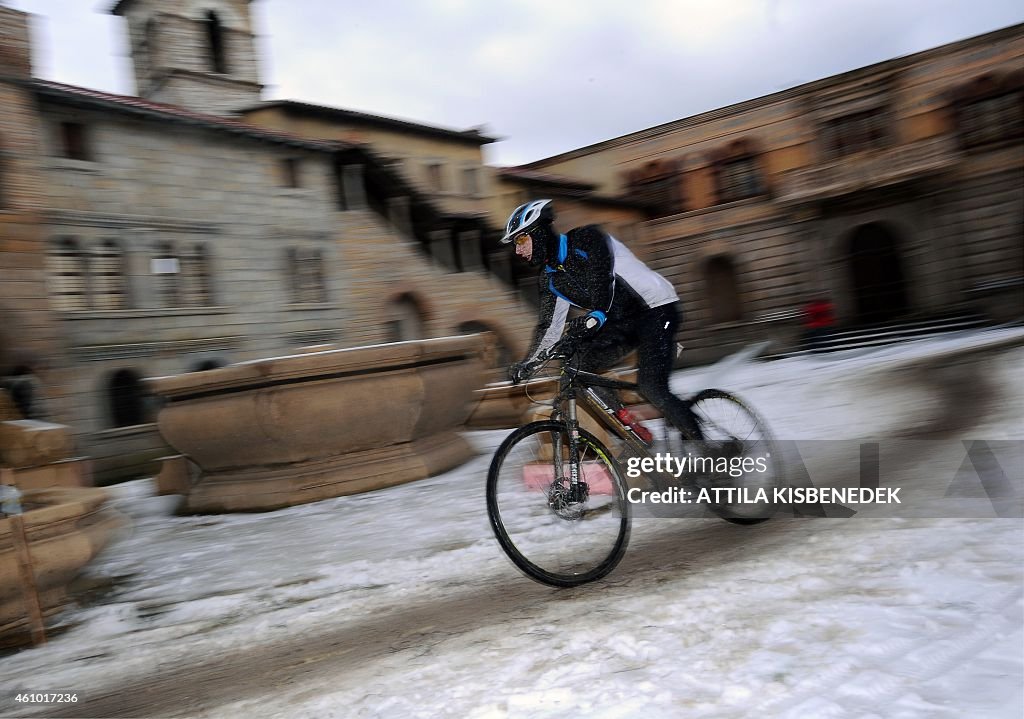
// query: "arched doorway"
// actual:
[[877, 280], [406, 319]]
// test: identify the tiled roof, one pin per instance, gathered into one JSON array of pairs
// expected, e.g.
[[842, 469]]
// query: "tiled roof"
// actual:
[[545, 178], [175, 113], [472, 136]]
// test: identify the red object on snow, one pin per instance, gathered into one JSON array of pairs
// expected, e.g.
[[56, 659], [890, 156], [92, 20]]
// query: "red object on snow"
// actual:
[[819, 314]]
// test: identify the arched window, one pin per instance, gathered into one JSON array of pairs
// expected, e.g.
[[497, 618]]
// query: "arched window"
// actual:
[[68, 270], [406, 320], [108, 283], [167, 270], [736, 171], [722, 289], [215, 40], [125, 399], [195, 276], [658, 186], [990, 110]]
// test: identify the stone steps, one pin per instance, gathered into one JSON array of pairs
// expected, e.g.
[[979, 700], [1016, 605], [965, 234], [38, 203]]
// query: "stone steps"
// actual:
[[892, 333]]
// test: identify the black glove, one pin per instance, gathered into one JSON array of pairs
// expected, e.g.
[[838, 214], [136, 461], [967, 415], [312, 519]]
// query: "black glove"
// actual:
[[582, 327], [521, 371]]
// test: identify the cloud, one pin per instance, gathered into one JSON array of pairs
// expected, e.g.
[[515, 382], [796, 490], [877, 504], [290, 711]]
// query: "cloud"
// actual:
[[548, 76]]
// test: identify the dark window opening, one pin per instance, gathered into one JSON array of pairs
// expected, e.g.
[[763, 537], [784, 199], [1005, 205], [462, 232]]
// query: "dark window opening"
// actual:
[[290, 172], [723, 290], [215, 38], [73, 141], [876, 274], [151, 39], [126, 401]]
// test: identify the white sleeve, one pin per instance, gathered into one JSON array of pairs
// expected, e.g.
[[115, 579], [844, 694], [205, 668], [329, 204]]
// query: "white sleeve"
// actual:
[[554, 329]]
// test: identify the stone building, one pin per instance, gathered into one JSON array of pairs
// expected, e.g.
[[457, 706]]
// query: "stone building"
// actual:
[[897, 190], [159, 234], [194, 225]]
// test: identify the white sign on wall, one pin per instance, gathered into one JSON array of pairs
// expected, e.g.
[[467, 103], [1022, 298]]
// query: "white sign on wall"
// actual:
[[164, 266]]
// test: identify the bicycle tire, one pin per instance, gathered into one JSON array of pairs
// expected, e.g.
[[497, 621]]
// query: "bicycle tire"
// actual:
[[724, 417], [553, 546]]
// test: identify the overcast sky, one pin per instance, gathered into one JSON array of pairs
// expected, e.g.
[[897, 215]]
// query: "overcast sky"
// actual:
[[546, 76]]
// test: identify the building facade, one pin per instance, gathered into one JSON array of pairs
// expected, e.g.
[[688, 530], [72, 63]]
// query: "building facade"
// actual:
[[193, 225], [144, 238], [895, 190]]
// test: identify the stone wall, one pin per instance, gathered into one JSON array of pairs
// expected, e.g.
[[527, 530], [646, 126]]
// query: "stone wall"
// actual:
[[149, 183], [28, 332]]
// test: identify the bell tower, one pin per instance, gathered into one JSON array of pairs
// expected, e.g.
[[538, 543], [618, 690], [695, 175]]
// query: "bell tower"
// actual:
[[200, 54]]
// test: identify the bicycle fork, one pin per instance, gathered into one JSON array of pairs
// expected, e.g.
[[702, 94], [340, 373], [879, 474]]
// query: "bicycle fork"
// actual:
[[578, 490]]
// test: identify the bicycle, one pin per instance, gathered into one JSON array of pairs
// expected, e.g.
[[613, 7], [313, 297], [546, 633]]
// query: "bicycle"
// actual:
[[557, 499]]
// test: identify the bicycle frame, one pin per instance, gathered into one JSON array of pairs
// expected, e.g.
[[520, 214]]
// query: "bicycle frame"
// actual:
[[570, 381]]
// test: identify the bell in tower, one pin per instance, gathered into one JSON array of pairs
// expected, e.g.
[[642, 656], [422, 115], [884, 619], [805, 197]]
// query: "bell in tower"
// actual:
[[200, 54]]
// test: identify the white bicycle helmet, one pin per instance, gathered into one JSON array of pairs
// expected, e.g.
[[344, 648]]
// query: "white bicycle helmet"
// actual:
[[525, 217]]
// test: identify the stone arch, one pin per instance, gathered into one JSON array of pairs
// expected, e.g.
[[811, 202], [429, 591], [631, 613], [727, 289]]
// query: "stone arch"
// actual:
[[406, 318]]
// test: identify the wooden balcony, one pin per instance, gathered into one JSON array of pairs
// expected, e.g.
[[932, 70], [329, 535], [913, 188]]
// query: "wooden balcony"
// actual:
[[864, 171]]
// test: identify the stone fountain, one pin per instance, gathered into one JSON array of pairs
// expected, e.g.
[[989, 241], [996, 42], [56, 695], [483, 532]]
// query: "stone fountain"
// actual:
[[281, 431]]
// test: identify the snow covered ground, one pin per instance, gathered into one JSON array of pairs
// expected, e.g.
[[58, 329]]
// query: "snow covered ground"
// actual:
[[399, 603]]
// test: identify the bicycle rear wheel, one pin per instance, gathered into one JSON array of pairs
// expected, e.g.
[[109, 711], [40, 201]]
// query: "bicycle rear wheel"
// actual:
[[739, 442], [554, 536]]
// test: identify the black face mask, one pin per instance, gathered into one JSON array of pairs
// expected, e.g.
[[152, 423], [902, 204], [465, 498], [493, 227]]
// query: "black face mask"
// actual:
[[544, 245]]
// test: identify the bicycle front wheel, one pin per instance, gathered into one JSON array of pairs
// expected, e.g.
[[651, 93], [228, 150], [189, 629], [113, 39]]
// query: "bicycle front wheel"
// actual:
[[557, 533]]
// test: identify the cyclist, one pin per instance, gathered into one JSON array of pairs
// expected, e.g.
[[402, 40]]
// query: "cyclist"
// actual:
[[628, 305]]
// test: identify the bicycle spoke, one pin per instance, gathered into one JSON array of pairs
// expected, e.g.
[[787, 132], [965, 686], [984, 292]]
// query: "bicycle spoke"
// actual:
[[557, 533]]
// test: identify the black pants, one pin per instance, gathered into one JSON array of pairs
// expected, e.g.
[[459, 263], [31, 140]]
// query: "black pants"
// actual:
[[652, 333]]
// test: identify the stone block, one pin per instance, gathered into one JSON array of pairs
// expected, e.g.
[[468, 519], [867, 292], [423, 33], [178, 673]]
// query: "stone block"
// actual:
[[27, 442], [174, 477]]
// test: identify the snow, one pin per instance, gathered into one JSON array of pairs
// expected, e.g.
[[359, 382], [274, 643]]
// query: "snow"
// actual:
[[399, 603]]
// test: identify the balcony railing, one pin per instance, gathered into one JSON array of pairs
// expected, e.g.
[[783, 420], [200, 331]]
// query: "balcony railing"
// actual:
[[864, 171]]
